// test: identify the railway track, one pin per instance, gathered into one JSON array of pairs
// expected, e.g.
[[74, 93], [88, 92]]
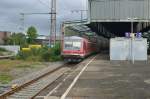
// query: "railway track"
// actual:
[[31, 88], [81, 67]]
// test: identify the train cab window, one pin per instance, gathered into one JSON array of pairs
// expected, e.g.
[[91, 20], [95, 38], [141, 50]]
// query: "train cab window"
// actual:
[[72, 45], [76, 45], [68, 45]]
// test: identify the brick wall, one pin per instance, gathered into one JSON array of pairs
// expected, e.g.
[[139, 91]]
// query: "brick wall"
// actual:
[[3, 35]]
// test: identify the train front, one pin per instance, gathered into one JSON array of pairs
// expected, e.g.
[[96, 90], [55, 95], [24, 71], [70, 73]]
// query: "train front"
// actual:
[[72, 50]]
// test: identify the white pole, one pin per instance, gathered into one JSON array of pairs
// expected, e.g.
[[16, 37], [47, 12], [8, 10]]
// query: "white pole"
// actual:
[[132, 40], [132, 50]]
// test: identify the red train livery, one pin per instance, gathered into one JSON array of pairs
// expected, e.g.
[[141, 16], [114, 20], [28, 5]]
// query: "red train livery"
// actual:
[[75, 48]]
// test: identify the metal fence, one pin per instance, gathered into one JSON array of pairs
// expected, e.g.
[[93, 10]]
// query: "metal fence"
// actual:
[[11, 48]]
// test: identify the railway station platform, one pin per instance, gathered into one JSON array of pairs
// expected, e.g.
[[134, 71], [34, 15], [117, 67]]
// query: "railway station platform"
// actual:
[[103, 79]]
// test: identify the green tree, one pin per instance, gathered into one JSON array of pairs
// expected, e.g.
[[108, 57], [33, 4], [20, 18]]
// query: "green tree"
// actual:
[[32, 34], [16, 39]]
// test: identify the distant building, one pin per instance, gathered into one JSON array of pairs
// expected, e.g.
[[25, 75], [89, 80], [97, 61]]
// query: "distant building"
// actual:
[[42, 39], [3, 36]]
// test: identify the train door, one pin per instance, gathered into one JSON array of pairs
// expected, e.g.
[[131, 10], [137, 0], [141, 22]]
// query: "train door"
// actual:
[[84, 47]]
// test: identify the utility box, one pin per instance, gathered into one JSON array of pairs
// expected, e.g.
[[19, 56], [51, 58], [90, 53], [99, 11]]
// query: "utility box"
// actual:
[[119, 49], [139, 49], [128, 49]]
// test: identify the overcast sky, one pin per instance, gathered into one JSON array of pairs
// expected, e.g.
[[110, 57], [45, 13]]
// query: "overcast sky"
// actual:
[[10, 17]]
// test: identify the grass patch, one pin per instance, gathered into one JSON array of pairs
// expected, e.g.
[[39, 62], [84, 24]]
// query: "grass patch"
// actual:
[[13, 69], [28, 65], [24, 66], [7, 65], [5, 78]]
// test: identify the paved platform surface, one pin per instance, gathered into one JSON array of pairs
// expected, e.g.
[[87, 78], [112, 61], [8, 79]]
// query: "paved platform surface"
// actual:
[[104, 79]]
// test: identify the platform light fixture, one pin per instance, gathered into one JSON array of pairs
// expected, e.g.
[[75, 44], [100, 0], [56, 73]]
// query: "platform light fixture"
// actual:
[[132, 20]]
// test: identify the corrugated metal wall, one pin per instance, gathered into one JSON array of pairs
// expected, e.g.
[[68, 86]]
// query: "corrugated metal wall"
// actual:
[[102, 10]]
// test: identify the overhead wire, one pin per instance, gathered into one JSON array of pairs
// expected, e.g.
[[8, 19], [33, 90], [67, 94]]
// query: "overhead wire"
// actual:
[[43, 3]]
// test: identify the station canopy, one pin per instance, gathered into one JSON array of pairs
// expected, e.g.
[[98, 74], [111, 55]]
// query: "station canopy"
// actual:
[[119, 10]]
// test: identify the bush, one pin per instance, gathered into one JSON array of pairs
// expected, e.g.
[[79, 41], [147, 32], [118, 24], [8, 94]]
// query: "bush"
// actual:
[[148, 51], [147, 35], [3, 50], [52, 54], [22, 55], [41, 54], [45, 54], [17, 39], [55, 58]]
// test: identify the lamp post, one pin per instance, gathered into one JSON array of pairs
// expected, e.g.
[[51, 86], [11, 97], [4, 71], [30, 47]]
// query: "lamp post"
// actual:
[[132, 38], [132, 20]]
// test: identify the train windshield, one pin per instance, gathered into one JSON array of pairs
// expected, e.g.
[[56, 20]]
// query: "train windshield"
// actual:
[[72, 45]]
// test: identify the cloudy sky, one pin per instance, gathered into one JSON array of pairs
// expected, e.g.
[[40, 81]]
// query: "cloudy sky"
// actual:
[[10, 13]]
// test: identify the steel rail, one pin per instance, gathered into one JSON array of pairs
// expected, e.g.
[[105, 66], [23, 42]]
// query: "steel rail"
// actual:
[[18, 88]]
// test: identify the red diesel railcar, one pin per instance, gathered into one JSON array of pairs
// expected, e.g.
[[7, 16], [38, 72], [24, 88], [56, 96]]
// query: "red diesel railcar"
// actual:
[[75, 48]]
